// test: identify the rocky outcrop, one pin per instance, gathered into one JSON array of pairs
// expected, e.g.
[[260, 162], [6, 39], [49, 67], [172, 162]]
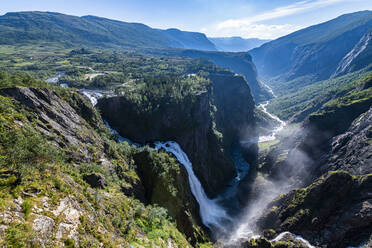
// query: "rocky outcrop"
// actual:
[[165, 182], [352, 150], [332, 120], [68, 121], [239, 63], [357, 58], [334, 211], [205, 124], [95, 180], [88, 193]]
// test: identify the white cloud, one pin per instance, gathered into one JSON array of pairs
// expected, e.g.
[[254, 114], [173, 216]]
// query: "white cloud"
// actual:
[[262, 31], [278, 12], [252, 26]]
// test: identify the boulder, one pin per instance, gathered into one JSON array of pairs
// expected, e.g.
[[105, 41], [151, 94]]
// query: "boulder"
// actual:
[[95, 180]]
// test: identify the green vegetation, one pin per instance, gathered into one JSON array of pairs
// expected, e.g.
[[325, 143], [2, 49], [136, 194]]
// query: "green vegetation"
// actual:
[[297, 106], [155, 92], [345, 108], [35, 166], [104, 70], [309, 209], [312, 53]]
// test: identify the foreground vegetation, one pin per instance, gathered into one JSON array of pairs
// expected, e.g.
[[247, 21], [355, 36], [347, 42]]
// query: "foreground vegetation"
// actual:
[[42, 173]]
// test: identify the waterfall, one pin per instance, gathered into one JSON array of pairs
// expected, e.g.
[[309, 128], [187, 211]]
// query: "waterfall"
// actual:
[[55, 79], [212, 215], [92, 95]]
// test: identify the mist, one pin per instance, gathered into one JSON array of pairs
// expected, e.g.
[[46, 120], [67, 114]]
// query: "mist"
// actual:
[[287, 175]]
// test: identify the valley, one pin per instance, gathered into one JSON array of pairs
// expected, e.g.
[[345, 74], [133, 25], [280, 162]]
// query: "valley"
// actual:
[[113, 138]]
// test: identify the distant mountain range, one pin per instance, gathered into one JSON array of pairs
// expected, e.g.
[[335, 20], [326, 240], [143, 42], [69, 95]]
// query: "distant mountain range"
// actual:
[[32, 27], [236, 44], [22, 28], [318, 52]]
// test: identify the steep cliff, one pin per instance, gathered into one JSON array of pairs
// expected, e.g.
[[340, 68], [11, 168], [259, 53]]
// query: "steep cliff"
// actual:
[[334, 211], [239, 63], [205, 123], [331, 154], [352, 150], [335, 118], [65, 181], [358, 57]]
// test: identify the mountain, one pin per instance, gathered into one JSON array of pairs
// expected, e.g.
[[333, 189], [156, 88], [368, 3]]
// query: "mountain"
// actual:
[[191, 40], [331, 154], [358, 57], [316, 51], [92, 31], [236, 44], [96, 32], [240, 63]]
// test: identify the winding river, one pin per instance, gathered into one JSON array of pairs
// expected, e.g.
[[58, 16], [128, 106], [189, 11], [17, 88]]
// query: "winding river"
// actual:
[[212, 213], [276, 130]]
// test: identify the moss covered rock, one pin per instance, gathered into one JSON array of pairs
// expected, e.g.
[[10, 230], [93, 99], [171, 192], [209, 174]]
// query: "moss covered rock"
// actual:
[[336, 210]]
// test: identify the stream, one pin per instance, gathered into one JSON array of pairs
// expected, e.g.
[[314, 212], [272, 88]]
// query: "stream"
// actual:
[[273, 134], [93, 95], [213, 214]]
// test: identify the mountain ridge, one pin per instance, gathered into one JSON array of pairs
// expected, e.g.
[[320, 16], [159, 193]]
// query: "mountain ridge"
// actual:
[[32, 26], [316, 50], [236, 43]]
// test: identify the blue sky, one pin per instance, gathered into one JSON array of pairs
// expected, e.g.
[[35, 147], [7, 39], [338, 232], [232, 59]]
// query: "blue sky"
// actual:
[[266, 19]]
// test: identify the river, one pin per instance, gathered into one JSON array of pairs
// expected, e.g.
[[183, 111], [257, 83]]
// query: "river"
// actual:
[[212, 213], [92, 95], [276, 130]]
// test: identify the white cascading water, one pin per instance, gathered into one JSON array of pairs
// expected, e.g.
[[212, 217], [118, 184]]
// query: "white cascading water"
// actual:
[[55, 79], [212, 215], [92, 95]]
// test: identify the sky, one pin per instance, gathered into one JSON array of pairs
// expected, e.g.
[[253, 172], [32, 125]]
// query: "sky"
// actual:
[[265, 19]]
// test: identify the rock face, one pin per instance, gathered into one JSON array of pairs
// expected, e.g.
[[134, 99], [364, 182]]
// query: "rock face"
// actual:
[[68, 121], [322, 127], [334, 211], [205, 125], [166, 186], [69, 211], [358, 57], [239, 63], [332, 153], [352, 150], [95, 180]]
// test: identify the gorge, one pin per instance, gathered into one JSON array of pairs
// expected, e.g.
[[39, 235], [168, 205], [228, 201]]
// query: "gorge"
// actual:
[[127, 136]]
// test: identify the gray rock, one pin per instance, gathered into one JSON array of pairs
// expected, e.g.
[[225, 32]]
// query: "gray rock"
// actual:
[[95, 180]]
